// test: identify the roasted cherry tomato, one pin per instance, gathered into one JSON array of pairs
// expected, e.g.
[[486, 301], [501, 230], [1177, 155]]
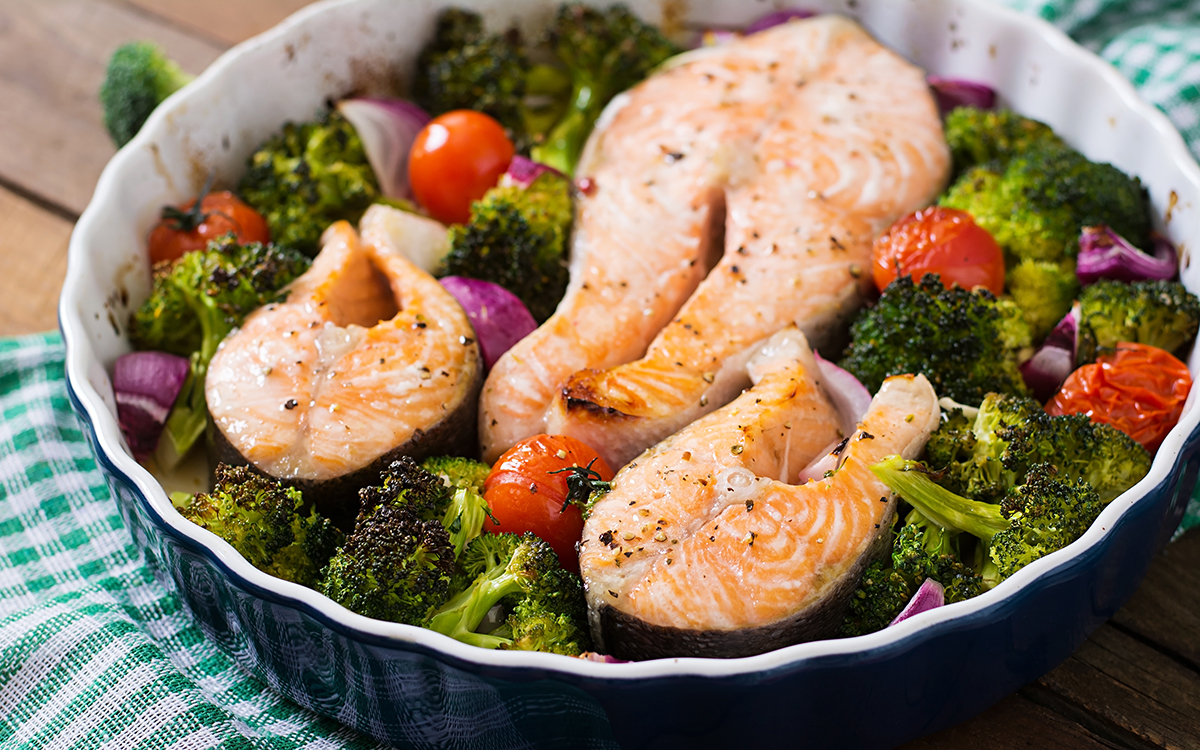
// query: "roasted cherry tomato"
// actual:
[[939, 240], [191, 226], [525, 493], [1138, 389], [457, 158]]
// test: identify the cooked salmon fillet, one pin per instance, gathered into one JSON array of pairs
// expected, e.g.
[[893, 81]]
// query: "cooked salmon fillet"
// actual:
[[704, 548], [369, 356], [803, 142]]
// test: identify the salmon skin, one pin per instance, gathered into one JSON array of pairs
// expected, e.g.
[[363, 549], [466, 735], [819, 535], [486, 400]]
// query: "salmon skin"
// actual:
[[804, 142], [704, 548], [367, 360]]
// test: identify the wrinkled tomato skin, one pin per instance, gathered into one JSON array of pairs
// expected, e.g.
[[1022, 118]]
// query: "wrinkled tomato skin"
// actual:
[[455, 159], [1138, 389], [225, 213], [939, 240], [524, 496]]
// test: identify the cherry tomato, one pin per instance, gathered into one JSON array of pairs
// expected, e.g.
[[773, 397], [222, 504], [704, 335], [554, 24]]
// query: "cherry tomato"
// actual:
[[525, 496], [939, 240], [457, 158], [188, 227], [1138, 389]]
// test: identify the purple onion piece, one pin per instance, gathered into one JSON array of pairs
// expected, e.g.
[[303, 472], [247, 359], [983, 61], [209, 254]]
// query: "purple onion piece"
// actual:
[[1054, 360], [522, 172], [499, 317], [601, 658], [387, 128], [714, 38], [816, 469], [957, 92], [146, 385], [778, 17], [850, 397], [931, 595], [1104, 254]]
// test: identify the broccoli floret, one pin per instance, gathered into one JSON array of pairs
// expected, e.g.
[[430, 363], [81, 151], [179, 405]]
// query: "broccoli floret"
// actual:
[[456, 471], [1035, 205], [263, 521], [1046, 513], [1158, 313], [923, 549], [464, 67], [195, 302], [605, 52], [396, 565], [462, 510], [961, 340], [1043, 291], [517, 238], [881, 595], [138, 78], [545, 603], [978, 136], [1043, 514], [1011, 434], [307, 177]]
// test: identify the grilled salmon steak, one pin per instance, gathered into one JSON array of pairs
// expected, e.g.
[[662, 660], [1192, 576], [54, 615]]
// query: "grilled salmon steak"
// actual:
[[731, 195], [367, 360], [704, 548]]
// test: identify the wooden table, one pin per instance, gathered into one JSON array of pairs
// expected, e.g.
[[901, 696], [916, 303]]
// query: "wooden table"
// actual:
[[1134, 684]]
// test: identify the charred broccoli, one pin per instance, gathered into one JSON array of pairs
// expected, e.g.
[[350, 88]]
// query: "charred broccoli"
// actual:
[[1012, 434], [545, 605], [922, 550], [965, 342], [307, 177], [517, 238], [605, 52], [194, 303], [464, 67], [1043, 514], [262, 520], [1035, 205], [396, 565], [461, 509], [979, 136], [138, 78], [1158, 313]]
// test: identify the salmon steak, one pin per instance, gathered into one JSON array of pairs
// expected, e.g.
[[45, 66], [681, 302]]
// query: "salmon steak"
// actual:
[[368, 359], [731, 195], [705, 546]]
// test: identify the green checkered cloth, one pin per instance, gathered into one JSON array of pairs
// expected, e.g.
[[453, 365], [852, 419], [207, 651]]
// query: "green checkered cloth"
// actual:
[[94, 652]]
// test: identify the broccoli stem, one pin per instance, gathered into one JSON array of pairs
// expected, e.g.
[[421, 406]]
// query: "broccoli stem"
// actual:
[[910, 480], [564, 142], [459, 617], [464, 518]]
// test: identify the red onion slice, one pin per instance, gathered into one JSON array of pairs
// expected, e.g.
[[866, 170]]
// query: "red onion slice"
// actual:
[[601, 658], [850, 397], [499, 317], [957, 92], [1104, 254], [387, 128], [828, 461], [522, 172], [777, 18], [146, 385], [1054, 360], [931, 595]]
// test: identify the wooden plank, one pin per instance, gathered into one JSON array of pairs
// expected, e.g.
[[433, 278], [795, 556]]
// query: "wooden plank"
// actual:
[[1012, 723], [52, 59], [34, 248], [225, 21], [1166, 608], [1133, 687]]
